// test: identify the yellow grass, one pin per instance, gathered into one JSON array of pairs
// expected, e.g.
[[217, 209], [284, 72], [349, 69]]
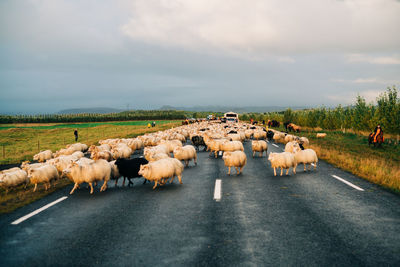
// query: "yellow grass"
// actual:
[[374, 169]]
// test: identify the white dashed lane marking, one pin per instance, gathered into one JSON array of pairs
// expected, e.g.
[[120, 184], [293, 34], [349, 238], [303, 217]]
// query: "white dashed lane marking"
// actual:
[[217, 190], [348, 183], [275, 145], [33, 213]]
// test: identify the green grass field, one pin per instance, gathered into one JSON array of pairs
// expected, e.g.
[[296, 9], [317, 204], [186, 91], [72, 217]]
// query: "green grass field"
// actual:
[[19, 143]]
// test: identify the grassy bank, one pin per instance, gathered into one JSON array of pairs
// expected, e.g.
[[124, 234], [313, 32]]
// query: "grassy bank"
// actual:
[[350, 152], [22, 145]]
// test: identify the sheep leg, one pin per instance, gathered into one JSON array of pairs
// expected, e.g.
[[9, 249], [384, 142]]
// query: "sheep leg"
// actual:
[[104, 186], [172, 179], [155, 184], [180, 178], [287, 171], [116, 182], [91, 188], [237, 170], [123, 183], [305, 167], [144, 181], [261, 153], [34, 189], [73, 189], [281, 171], [186, 163], [229, 170], [294, 169], [130, 182], [216, 154], [241, 168], [195, 160], [254, 153], [315, 165], [274, 171]]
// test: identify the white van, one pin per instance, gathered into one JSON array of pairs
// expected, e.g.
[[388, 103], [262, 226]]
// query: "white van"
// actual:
[[231, 117]]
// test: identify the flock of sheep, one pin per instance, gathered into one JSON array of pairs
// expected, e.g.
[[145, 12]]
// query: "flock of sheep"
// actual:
[[163, 154]]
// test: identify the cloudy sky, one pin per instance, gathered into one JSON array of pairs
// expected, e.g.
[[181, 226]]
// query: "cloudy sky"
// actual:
[[58, 54]]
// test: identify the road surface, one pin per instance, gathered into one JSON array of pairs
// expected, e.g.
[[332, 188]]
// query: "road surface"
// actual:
[[310, 219]]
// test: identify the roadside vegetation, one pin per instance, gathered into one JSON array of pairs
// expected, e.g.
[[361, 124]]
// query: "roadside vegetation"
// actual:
[[347, 128]]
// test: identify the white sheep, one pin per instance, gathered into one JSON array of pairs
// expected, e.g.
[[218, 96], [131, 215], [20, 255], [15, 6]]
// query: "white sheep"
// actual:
[[45, 174], [115, 175], [289, 147], [279, 137], [235, 159], [186, 153], [248, 133], [304, 141], [43, 156], [9, 179], [97, 171], [121, 151], [283, 160], [106, 155], [259, 134], [321, 135], [171, 144], [259, 146], [307, 156], [161, 170], [231, 146], [27, 167]]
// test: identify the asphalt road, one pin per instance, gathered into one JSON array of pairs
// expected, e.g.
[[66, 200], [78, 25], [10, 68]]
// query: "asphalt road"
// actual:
[[310, 219]]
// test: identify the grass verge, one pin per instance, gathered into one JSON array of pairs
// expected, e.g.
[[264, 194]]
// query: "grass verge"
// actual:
[[22, 145], [350, 152]]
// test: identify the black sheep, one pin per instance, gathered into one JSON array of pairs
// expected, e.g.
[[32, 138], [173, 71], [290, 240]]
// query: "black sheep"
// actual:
[[270, 135], [129, 168], [232, 132], [198, 141]]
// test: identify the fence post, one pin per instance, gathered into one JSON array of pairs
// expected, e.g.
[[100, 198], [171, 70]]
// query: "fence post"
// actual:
[[4, 152], [38, 145]]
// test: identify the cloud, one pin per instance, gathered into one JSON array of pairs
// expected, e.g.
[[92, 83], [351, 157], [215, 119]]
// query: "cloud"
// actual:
[[264, 27], [286, 59], [350, 96], [371, 80], [360, 58]]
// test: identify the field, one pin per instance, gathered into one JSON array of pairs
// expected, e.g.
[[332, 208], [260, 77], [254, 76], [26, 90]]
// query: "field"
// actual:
[[21, 143]]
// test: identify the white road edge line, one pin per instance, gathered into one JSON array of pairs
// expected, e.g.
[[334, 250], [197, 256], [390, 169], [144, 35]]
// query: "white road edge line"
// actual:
[[348, 183], [275, 145], [33, 213], [217, 190]]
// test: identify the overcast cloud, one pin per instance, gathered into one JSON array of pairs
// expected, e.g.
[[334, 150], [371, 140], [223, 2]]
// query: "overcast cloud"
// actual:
[[148, 53]]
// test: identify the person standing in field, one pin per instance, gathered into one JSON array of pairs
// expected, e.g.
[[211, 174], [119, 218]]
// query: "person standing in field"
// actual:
[[76, 135]]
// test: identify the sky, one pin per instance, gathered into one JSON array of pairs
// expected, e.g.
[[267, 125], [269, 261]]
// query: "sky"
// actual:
[[58, 54]]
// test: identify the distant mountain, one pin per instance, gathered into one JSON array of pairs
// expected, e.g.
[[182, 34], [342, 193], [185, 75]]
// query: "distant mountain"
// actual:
[[257, 109], [99, 110]]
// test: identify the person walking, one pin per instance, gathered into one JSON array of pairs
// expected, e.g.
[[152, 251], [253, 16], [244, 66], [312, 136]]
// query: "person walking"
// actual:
[[76, 135]]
